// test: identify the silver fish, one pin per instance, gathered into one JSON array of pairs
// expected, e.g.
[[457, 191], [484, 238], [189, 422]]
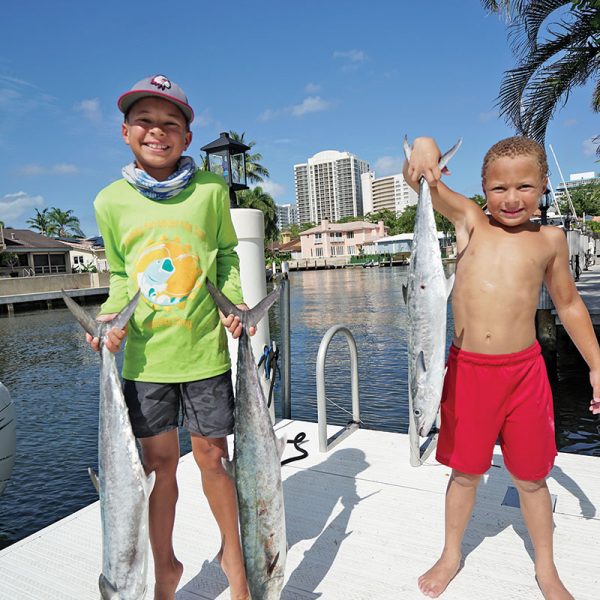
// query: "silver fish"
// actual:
[[123, 485], [256, 464], [426, 295]]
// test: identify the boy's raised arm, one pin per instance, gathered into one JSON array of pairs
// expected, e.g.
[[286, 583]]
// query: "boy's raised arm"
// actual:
[[424, 159]]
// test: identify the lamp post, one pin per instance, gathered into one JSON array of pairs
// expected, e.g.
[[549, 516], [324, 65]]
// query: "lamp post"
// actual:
[[227, 158], [544, 205]]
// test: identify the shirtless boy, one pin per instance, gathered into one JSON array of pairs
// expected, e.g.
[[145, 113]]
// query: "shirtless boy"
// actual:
[[503, 258]]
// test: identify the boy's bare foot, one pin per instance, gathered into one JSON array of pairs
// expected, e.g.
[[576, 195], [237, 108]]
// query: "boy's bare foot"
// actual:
[[238, 586], [436, 580], [165, 588], [550, 584]]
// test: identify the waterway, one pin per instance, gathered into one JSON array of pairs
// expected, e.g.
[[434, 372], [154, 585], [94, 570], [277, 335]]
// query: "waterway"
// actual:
[[53, 378]]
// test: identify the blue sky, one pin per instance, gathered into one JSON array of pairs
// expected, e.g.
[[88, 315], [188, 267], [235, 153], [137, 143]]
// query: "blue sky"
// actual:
[[298, 78]]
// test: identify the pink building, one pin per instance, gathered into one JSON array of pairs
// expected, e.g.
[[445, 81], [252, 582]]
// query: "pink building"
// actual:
[[329, 240]]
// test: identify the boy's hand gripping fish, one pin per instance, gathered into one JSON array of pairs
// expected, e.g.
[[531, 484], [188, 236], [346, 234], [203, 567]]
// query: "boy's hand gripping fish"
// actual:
[[122, 483], [256, 463], [426, 295]]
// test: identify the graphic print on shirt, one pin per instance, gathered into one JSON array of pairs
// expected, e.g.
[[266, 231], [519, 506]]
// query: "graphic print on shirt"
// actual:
[[167, 273]]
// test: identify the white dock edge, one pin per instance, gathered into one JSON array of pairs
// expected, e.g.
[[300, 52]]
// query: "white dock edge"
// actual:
[[362, 525]]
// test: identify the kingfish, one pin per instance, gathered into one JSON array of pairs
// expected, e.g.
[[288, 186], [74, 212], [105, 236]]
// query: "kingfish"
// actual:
[[426, 295], [122, 483], [256, 464]]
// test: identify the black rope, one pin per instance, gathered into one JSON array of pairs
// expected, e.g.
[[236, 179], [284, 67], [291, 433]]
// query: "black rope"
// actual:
[[270, 358], [296, 442]]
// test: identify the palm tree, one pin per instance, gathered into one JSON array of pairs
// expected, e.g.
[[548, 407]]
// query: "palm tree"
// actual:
[[255, 171], [65, 223], [258, 198], [551, 62], [42, 222]]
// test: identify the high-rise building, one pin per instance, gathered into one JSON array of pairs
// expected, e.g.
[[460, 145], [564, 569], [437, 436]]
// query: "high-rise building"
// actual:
[[328, 186], [575, 180], [391, 193], [287, 214]]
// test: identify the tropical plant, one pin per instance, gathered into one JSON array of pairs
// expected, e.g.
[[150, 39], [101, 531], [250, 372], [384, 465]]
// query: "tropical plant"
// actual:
[[42, 222], [295, 230], [259, 199], [8, 259], [65, 223], [255, 172], [585, 199], [557, 46]]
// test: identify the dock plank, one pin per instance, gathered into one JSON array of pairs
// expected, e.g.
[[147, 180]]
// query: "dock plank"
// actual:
[[362, 525]]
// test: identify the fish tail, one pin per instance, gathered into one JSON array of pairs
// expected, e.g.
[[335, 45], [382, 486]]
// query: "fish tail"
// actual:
[[84, 319], [445, 159], [250, 317], [123, 317]]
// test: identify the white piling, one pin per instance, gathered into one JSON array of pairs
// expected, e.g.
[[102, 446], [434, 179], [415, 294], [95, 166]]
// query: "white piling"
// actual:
[[250, 229]]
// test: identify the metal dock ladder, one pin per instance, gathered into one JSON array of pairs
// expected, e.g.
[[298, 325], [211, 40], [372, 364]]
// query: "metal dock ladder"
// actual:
[[326, 444]]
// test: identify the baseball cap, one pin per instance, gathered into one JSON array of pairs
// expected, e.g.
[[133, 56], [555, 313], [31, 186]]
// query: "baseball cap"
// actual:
[[161, 87]]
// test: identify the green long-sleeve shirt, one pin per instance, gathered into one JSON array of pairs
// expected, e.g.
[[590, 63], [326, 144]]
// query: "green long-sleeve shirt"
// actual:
[[167, 248]]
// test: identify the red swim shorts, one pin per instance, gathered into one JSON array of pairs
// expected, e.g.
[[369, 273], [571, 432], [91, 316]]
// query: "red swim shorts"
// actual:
[[497, 397]]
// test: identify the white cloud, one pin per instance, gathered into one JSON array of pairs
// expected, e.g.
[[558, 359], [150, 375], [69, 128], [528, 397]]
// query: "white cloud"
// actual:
[[33, 169], [355, 56], [589, 147], [309, 105], [90, 109], [312, 88], [276, 190], [12, 206], [388, 165]]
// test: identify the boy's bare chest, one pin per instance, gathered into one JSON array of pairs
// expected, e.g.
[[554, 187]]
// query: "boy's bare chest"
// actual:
[[505, 258]]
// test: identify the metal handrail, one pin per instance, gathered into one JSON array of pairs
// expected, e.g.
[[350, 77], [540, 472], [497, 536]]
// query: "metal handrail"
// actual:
[[326, 444]]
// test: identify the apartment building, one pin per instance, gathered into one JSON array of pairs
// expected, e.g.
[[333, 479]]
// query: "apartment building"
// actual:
[[391, 193], [287, 214], [328, 186], [575, 180]]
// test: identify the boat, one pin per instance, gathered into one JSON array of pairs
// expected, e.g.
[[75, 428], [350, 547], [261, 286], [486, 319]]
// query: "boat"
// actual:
[[8, 436]]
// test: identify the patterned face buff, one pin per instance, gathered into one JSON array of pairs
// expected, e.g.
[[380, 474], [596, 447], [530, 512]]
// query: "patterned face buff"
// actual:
[[161, 190]]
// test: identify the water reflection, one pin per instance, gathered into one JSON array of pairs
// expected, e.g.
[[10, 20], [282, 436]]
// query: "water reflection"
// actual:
[[53, 378]]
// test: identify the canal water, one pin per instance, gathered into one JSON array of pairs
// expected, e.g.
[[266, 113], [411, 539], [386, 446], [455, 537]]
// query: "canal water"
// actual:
[[53, 378]]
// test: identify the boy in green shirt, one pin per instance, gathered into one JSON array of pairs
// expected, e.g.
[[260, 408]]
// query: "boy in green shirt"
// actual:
[[166, 228]]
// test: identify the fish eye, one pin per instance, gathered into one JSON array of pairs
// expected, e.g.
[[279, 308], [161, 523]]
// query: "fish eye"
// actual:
[[417, 412]]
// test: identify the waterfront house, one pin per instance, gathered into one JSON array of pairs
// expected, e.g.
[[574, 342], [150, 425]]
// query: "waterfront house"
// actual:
[[340, 240], [87, 254], [402, 244], [28, 253]]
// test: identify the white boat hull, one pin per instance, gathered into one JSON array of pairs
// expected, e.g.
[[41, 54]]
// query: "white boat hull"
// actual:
[[8, 437]]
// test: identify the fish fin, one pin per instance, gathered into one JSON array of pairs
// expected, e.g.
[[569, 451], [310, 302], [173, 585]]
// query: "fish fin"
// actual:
[[85, 320], [273, 564], [107, 589], [229, 467], [94, 478], [448, 155], [407, 149], [449, 285], [421, 362], [150, 481], [281, 443], [121, 320], [405, 293]]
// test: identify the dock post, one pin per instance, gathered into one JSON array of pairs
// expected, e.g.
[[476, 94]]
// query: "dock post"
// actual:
[[545, 329], [11, 310], [286, 372]]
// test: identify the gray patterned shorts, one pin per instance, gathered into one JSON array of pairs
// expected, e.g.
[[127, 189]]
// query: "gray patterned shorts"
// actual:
[[204, 407]]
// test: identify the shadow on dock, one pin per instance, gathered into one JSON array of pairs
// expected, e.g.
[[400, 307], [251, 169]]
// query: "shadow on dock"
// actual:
[[301, 490], [485, 522]]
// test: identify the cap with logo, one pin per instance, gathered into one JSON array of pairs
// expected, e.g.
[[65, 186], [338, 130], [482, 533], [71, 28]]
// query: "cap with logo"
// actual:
[[161, 87]]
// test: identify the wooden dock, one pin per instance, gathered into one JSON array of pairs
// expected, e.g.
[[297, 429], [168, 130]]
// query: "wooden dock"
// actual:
[[362, 525]]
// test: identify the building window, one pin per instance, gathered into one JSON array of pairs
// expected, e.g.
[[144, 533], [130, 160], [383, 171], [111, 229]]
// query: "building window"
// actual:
[[350, 235], [318, 252]]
